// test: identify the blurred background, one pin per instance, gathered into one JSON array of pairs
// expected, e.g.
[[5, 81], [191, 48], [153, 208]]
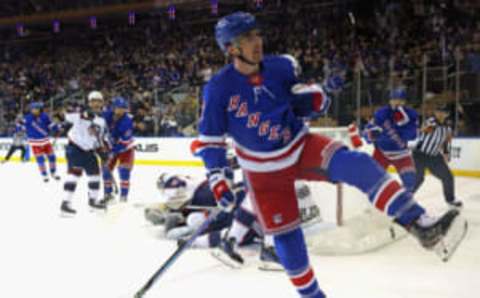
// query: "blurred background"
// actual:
[[158, 54]]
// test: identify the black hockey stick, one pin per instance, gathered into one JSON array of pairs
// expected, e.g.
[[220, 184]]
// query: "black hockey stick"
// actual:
[[181, 249]]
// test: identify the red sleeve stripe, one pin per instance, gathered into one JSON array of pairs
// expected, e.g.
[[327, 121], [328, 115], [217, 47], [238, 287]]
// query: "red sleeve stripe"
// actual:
[[196, 146], [387, 193]]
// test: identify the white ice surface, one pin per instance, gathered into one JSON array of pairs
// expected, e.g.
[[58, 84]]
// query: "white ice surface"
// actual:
[[110, 256]]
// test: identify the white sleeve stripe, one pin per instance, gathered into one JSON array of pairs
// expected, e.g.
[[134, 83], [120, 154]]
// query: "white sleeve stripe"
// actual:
[[211, 139]]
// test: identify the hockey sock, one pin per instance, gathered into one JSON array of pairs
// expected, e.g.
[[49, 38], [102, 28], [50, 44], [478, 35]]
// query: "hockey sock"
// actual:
[[408, 180], [243, 222], [52, 162], [41, 164], [124, 174], [385, 193], [107, 180], [292, 252], [70, 185], [93, 187]]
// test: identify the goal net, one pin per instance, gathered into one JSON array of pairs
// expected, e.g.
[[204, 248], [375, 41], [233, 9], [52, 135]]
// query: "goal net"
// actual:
[[348, 224]]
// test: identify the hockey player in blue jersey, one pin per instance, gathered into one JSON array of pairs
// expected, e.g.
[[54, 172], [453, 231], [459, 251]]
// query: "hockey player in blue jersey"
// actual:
[[390, 130], [260, 103], [39, 127], [120, 125]]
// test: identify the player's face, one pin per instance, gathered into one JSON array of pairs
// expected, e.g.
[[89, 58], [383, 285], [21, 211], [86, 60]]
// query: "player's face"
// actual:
[[250, 45], [440, 115], [96, 105], [36, 112], [119, 112], [396, 102]]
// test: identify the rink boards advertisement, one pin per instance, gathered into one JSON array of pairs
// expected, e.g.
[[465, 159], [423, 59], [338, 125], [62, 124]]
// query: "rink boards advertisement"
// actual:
[[465, 157]]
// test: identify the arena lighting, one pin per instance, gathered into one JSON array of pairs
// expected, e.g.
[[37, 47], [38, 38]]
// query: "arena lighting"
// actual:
[[214, 6], [172, 12], [56, 26], [20, 29], [131, 18], [93, 22]]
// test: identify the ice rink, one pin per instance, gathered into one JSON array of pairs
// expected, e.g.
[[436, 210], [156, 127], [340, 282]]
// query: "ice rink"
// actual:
[[111, 255]]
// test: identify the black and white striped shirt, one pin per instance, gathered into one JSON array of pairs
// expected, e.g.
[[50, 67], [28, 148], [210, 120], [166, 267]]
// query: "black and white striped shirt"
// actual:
[[434, 142]]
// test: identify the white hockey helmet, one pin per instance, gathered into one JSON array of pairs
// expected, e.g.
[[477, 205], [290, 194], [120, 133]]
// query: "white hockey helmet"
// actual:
[[173, 190], [95, 95]]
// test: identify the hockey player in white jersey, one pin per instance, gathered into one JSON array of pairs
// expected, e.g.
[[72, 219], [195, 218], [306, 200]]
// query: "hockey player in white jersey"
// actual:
[[87, 138], [183, 209]]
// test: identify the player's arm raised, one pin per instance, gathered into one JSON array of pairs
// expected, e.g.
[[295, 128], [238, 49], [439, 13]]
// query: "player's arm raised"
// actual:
[[311, 100]]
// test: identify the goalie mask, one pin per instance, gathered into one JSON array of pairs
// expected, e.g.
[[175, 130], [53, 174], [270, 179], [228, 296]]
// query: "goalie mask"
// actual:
[[173, 189]]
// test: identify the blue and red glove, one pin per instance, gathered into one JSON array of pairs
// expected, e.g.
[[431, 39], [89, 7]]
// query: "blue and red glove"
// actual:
[[372, 132], [221, 184]]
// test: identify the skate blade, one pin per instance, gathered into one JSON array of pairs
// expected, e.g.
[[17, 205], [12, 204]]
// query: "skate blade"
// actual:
[[270, 266], [226, 260], [66, 215], [448, 245]]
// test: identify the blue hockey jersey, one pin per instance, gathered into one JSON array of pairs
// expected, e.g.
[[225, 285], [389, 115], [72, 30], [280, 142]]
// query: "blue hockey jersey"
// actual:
[[121, 132], [260, 112], [399, 126], [38, 128]]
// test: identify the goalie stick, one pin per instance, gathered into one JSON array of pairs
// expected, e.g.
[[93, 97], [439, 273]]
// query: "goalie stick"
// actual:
[[174, 257]]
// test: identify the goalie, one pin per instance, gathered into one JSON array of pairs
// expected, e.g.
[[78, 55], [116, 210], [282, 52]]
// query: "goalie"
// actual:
[[186, 204]]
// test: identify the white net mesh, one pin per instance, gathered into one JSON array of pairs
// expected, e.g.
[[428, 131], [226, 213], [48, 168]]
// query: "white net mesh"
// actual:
[[349, 224]]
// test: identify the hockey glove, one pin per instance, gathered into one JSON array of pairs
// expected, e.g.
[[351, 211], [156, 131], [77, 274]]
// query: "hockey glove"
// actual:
[[372, 132], [221, 181], [311, 100], [334, 84]]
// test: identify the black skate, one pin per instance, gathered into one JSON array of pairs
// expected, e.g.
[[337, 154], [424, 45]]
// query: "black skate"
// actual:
[[269, 260], [455, 204], [97, 205], [107, 199], [123, 199], [226, 254], [55, 177], [45, 179], [67, 209], [443, 235]]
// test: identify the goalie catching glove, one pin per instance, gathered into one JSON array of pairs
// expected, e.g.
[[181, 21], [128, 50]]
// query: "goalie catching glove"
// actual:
[[221, 184]]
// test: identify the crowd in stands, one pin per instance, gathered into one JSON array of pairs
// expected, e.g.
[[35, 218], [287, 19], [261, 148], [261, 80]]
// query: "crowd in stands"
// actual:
[[147, 63]]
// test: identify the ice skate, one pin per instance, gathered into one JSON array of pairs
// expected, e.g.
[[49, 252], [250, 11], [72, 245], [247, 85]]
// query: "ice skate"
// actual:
[[442, 235], [97, 205], [67, 210], [226, 254], [455, 204], [55, 177], [108, 199], [269, 260]]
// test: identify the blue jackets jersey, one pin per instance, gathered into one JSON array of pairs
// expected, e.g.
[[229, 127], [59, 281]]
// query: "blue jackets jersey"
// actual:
[[399, 127], [203, 197], [39, 128], [121, 131], [259, 112]]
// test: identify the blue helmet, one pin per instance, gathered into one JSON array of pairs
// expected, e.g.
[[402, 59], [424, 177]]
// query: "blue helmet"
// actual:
[[120, 103], [398, 93], [36, 105], [233, 25]]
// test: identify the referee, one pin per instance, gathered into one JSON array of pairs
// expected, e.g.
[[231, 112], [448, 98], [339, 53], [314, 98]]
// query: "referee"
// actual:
[[431, 153]]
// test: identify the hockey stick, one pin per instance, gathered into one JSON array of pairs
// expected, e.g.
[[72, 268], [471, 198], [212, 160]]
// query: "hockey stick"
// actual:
[[181, 249]]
